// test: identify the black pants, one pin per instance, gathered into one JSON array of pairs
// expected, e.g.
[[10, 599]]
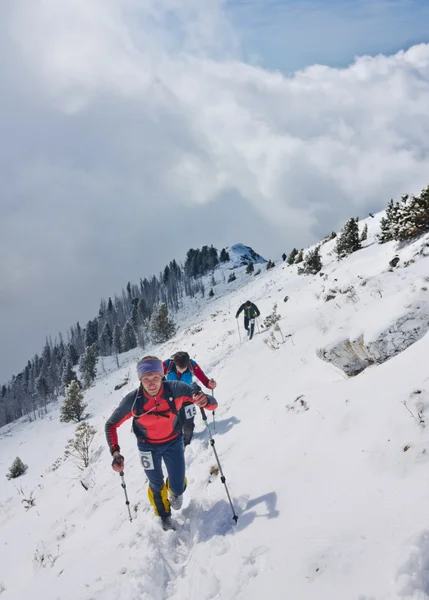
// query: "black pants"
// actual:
[[187, 423], [252, 326]]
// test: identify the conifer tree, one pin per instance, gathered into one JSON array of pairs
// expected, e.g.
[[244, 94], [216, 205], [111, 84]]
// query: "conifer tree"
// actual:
[[364, 234], [68, 375], [250, 268], [348, 241], [224, 255], [386, 224], [312, 262], [71, 354], [161, 327], [88, 365], [292, 256], [129, 340], [117, 342], [73, 407], [299, 257], [106, 340]]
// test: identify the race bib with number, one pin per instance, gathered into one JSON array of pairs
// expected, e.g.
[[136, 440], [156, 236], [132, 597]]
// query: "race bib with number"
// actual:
[[190, 411], [147, 461]]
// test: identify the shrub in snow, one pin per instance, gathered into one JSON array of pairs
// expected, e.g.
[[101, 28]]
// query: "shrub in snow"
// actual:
[[312, 263], [250, 268], [211, 293], [348, 241], [73, 407], [272, 318], [270, 265], [258, 272], [232, 278], [16, 469], [79, 448], [161, 326]]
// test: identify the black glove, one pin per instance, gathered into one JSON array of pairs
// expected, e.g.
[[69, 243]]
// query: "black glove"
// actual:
[[118, 462]]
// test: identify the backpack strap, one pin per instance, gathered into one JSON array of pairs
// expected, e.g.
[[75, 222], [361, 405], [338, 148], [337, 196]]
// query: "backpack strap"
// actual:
[[169, 399], [170, 365], [172, 405]]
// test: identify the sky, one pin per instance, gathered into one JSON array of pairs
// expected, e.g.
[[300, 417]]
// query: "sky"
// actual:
[[133, 130]]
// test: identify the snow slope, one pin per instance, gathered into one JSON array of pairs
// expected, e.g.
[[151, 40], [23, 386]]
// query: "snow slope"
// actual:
[[329, 474]]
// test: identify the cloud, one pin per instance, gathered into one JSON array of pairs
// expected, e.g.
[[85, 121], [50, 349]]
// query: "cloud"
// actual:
[[135, 131]]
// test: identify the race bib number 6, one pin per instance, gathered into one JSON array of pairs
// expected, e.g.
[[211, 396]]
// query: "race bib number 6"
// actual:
[[190, 411], [147, 461]]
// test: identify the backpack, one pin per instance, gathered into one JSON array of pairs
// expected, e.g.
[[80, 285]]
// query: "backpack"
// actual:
[[171, 364]]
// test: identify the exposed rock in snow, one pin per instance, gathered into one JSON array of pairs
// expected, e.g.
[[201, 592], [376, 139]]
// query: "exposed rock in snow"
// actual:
[[354, 354], [242, 255]]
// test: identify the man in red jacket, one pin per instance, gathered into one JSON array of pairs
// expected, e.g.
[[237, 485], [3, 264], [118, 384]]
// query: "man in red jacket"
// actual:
[[154, 408]]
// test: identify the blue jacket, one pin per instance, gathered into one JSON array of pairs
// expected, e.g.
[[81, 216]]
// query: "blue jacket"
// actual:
[[185, 377]]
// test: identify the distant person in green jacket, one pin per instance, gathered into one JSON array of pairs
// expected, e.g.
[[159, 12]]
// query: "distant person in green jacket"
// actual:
[[251, 311]]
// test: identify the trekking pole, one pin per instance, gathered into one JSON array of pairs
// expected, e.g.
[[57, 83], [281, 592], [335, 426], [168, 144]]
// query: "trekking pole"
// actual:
[[214, 420], [238, 327], [222, 476], [127, 502]]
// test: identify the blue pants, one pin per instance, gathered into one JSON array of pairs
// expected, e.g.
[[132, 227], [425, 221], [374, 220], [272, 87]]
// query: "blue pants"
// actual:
[[173, 455]]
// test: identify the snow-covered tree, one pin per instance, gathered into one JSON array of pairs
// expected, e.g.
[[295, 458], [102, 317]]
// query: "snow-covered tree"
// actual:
[[299, 256], [412, 217], [348, 241], [68, 374], [291, 258], [106, 339], [88, 365], [386, 224], [224, 255], [161, 327], [129, 340], [312, 263], [73, 407], [364, 234]]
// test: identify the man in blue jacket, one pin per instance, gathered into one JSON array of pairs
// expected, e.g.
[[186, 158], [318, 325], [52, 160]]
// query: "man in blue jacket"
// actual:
[[180, 367]]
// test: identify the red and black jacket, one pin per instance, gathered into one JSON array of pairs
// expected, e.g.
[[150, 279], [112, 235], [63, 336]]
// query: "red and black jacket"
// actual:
[[155, 418]]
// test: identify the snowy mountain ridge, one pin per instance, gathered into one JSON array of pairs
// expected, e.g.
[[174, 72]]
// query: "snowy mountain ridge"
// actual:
[[241, 255], [328, 473]]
